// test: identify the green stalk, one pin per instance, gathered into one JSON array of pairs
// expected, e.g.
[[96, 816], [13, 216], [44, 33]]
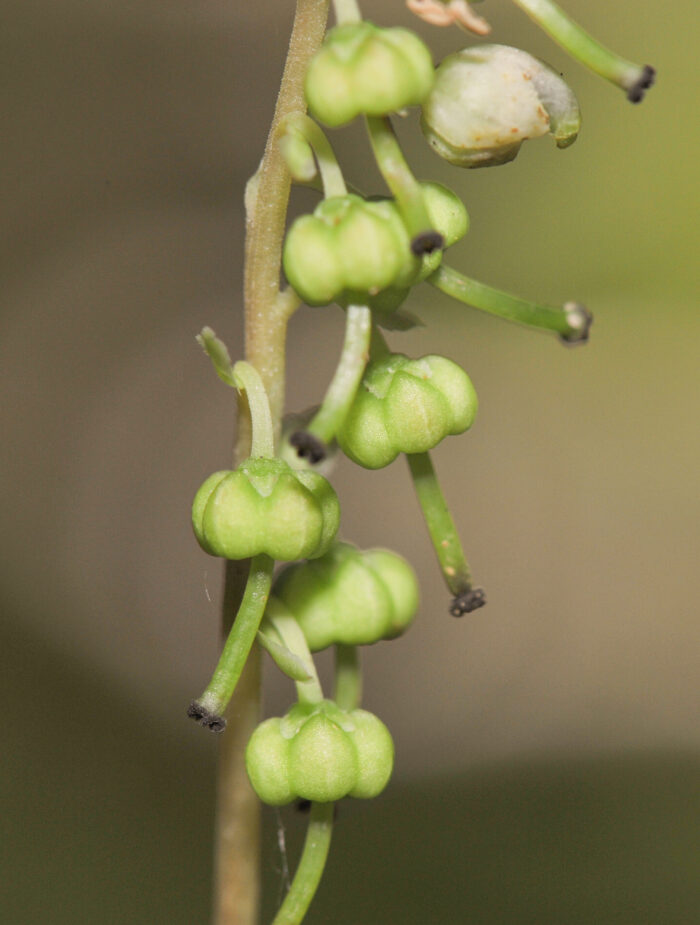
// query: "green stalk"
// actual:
[[302, 128], [237, 848], [633, 78], [311, 865], [329, 418], [209, 709], [443, 533], [292, 638], [404, 187], [572, 322], [248, 380], [348, 678]]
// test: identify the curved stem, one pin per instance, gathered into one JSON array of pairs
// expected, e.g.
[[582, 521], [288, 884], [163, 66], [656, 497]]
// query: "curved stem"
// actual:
[[210, 707], [346, 380], [311, 134], [311, 864], [248, 379], [572, 322], [348, 678], [293, 639], [631, 77], [443, 533], [404, 187]]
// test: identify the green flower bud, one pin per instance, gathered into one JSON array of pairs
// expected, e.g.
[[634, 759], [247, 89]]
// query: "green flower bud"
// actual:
[[406, 406], [350, 596], [361, 68], [488, 99], [321, 753], [348, 248], [357, 251], [265, 506]]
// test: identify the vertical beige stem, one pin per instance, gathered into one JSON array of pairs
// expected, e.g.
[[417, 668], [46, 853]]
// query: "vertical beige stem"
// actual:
[[237, 849]]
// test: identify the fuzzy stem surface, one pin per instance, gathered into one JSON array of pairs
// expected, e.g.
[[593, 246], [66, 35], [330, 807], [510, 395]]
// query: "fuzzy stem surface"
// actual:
[[237, 847]]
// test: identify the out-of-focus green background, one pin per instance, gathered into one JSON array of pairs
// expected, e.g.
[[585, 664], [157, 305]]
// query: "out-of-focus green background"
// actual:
[[547, 747]]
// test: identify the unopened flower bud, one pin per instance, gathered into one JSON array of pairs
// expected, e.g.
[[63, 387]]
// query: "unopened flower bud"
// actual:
[[488, 99]]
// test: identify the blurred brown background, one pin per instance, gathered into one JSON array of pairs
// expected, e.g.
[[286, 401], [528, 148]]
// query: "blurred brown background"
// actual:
[[547, 746]]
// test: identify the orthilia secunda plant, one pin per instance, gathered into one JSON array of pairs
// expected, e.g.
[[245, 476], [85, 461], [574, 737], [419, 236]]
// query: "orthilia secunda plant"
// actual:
[[363, 251]]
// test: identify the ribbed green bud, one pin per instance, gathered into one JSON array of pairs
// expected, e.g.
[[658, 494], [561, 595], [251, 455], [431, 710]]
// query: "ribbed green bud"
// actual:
[[358, 252], [321, 753], [350, 596], [488, 99], [265, 506], [364, 69], [406, 406]]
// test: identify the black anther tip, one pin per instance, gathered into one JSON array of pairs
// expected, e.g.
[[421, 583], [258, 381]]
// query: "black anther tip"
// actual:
[[211, 721], [468, 601], [308, 446], [426, 242], [636, 92], [580, 318]]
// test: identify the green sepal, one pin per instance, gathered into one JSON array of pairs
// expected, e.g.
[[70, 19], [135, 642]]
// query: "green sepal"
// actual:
[[406, 406], [364, 69], [350, 596], [217, 351]]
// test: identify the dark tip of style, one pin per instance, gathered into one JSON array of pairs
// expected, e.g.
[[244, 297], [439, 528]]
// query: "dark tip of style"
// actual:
[[580, 320], [468, 601], [426, 242], [636, 92], [206, 718], [308, 446]]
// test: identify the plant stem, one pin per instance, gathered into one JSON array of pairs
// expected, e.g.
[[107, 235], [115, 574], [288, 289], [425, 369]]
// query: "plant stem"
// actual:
[[240, 641], [572, 322], [310, 869], [353, 359], [443, 533], [348, 677], [237, 858], [404, 187], [265, 324], [631, 77]]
